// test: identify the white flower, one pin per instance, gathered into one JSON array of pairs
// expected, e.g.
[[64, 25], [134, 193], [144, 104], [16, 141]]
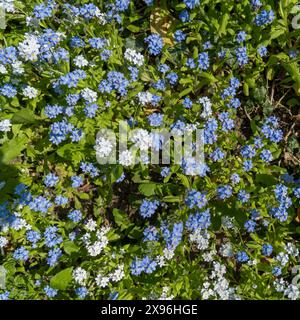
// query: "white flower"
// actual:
[[227, 222], [164, 295], [134, 57], [80, 61], [141, 138], [209, 256], [160, 260], [291, 249], [126, 158], [30, 92], [101, 16], [96, 248], [206, 103], [80, 275], [292, 292], [145, 97], [20, 223], [226, 250], [168, 253], [102, 281], [5, 125], [279, 285], [103, 147], [7, 5], [252, 262], [282, 258], [18, 68], [200, 238], [118, 274], [91, 225], [3, 242], [2, 69], [29, 48], [89, 95]]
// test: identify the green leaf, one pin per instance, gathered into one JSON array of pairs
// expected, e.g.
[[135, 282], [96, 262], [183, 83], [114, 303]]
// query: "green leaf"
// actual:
[[12, 148], [24, 116], [265, 179], [116, 173], [121, 219], [223, 25], [147, 189], [133, 28], [62, 279], [172, 199], [70, 247]]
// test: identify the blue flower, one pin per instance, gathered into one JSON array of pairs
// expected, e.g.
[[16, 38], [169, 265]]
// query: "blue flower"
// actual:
[[243, 196], [196, 199], [90, 169], [115, 81], [267, 249], [155, 44], [53, 256], [8, 90], [33, 237], [241, 36], [226, 121], [172, 77], [187, 103], [163, 68], [8, 55], [297, 192], [276, 271], [247, 165], [264, 18], [224, 192], [203, 61], [235, 178], [51, 180], [217, 155], [122, 5], [191, 4], [21, 254], [262, 51], [242, 256], [75, 216], [51, 238], [150, 234], [60, 200], [184, 16], [146, 265], [148, 208], [155, 119], [198, 221], [90, 110], [77, 181], [82, 292], [266, 155], [50, 292], [179, 36], [242, 56], [250, 226], [165, 172], [40, 204]]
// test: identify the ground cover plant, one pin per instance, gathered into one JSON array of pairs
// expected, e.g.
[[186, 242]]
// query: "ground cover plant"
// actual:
[[75, 228]]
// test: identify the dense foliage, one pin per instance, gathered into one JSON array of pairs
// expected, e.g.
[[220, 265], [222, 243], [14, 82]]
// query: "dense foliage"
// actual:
[[73, 228]]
